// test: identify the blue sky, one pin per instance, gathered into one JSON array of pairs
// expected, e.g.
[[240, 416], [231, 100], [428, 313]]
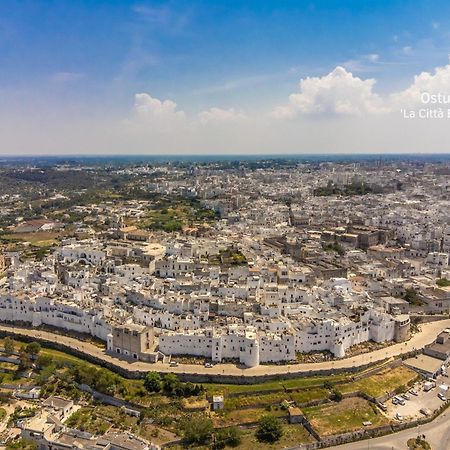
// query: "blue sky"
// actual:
[[78, 65]]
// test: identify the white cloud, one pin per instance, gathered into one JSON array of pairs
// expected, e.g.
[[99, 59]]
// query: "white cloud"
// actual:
[[220, 115], [433, 83], [338, 93], [154, 113]]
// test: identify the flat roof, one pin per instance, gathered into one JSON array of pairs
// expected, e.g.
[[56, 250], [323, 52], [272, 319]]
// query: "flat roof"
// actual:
[[424, 363]]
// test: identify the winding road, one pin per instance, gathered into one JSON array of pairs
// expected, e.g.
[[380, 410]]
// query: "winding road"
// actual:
[[426, 336]]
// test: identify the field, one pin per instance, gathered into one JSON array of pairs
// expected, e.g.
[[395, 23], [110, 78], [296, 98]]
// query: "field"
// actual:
[[347, 415], [244, 416], [39, 239], [292, 435], [276, 385], [380, 383]]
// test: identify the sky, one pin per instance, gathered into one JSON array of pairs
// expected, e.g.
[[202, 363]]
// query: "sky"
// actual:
[[224, 77]]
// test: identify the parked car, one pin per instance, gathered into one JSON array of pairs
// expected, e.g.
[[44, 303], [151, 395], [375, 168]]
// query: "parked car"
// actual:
[[399, 417], [382, 406], [173, 364], [400, 400], [425, 411], [442, 397], [208, 365], [394, 401], [406, 396], [413, 392]]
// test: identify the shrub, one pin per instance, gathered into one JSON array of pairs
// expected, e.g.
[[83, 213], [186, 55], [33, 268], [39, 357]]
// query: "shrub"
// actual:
[[269, 429]]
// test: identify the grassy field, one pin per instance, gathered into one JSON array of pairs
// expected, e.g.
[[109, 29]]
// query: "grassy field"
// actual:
[[378, 384], [281, 385], [244, 416], [39, 239], [293, 435], [347, 415]]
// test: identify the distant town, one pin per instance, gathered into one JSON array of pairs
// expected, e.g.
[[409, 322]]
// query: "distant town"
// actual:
[[279, 303]]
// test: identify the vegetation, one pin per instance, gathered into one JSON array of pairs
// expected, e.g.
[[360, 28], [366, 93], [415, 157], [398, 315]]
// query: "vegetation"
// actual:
[[197, 430], [293, 436], [8, 345], [412, 297], [336, 395], [355, 188], [344, 416], [27, 354], [227, 437], [443, 282], [171, 385], [382, 382], [86, 419], [334, 247], [269, 429], [418, 443], [172, 213], [21, 444]]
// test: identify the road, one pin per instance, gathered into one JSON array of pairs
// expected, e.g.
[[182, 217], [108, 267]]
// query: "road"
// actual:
[[427, 335], [437, 434]]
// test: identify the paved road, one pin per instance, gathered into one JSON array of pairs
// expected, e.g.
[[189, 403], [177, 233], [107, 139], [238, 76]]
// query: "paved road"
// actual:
[[425, 336], [437, 434]]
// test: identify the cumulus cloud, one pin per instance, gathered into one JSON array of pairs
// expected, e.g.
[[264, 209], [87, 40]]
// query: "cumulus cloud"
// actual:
[[339, 92], [220, 115], [150, 112], [427, 82]]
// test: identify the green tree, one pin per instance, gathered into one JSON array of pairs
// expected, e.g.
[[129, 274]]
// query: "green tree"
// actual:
[[33, 348], [153, 382], [171, 384], [8, 345], [336, 395], [44, 361], [227, 437], [269, 429], [25, 361], [197, 430]]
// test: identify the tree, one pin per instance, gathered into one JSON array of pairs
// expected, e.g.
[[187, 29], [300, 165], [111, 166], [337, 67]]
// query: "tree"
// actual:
[[8, 345], [153, 382], [269, 429], [24, 359], [44, 361], [336, 395], [197, 430], [33, 348], [171, 384], [227, 437]]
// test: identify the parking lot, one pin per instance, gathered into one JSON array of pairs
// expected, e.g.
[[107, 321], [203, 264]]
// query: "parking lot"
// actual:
[[412, 407]]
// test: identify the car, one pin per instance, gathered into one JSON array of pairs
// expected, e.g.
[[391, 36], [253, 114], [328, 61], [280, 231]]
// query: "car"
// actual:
[[406, 396], [173, 364], [394, 401], [399, 417], [208, 365], [425, 411], [400, 400], [382, 406], [413, 392], [442, 397]]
